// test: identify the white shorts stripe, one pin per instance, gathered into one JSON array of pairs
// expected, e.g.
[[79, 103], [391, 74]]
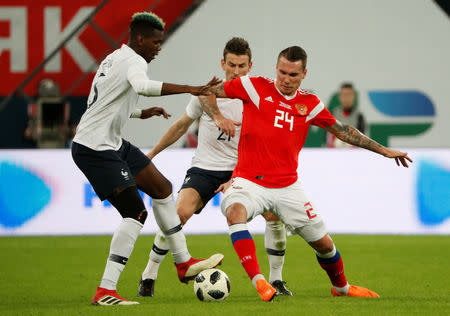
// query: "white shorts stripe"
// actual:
[[319, 107], [248, 86]]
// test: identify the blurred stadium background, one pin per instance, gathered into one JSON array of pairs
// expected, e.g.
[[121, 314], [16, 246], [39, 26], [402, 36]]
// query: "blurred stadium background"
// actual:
[[395, 53]]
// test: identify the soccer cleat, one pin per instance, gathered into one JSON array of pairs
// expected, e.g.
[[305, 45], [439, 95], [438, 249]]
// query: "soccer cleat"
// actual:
[[106, 297], [146, 287], [356, 291], [188, 270], [280, 287], [266, 291]]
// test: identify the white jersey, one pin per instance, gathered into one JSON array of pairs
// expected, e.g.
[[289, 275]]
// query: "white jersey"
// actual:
[[215, 150], [119, 80]]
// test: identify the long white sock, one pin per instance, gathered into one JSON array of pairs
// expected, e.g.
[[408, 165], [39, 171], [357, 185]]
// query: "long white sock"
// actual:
[[275, 242], [122, 245], [157, 255], [168, 221]]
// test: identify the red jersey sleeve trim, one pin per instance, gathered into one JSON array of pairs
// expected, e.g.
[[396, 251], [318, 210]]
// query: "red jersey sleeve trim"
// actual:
[[250, 89], [319, 107]]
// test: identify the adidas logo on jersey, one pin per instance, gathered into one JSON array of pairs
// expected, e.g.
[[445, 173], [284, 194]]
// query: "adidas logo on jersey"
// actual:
[[269, 98]]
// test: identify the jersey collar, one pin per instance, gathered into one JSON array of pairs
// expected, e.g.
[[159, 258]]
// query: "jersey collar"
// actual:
[[287, 97]]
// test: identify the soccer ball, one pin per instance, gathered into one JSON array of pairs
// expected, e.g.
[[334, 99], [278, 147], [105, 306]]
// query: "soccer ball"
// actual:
[[212, 285]]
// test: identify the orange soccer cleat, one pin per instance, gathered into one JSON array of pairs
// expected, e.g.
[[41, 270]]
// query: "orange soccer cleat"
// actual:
[[356, 291], [265, 290]]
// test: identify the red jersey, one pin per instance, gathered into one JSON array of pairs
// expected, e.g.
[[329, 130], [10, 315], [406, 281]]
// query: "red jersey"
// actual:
[[274, 129]]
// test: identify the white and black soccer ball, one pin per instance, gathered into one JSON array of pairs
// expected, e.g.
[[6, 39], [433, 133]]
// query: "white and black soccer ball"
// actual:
[[212, 285]]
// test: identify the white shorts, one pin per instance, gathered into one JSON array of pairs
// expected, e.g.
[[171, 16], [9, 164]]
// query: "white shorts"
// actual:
[[290, 204]]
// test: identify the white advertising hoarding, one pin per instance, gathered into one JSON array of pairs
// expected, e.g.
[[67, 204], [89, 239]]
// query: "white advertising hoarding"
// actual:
[[43, 193]]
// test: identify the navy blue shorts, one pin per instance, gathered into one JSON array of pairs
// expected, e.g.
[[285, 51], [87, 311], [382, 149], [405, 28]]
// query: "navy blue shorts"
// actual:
[[109, 170], [205, 182]]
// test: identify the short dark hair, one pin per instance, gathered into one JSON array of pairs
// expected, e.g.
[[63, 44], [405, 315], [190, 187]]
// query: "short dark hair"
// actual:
[[143, 23], [237, 46], [294, 53], [347, 85]]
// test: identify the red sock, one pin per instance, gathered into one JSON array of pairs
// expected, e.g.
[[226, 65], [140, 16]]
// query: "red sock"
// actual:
[[246, 250], [335, 269]]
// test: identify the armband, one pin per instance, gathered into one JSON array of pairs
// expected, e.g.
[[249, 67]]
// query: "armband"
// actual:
[[153, 87], [136, 113]]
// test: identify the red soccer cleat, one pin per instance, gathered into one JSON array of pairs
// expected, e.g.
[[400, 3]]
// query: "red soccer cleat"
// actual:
[[356, 291], [265, 290], [106, 297], [188, 270]]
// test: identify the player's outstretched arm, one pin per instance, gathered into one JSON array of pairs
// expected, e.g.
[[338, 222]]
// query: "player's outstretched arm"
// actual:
[[209, 105], [173, 134], [354, 137], [170, 88], [142, 85], [148, 113]]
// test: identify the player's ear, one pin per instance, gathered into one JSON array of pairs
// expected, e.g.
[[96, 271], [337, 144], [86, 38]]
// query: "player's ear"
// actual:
[[140, 39], [250, 64], [304, 73], [222, 62]]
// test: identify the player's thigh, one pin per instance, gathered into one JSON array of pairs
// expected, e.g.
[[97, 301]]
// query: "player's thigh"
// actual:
[[188, 202], [297, 212], [148, 178], [151, 181], [253, 197], [205, 183]]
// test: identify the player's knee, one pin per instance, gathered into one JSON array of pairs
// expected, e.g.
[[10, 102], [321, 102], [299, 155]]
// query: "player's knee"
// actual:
[[163, 190], [236, 213], [324, 245], [270, 217], [129, 204], [184, 214]]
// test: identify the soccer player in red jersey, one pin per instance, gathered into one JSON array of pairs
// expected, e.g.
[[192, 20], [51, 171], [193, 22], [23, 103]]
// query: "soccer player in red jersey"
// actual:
[[277, 116]]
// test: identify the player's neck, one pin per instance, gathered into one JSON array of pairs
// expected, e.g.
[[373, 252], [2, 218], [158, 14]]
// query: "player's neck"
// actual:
[[286, 96], [134, 47]]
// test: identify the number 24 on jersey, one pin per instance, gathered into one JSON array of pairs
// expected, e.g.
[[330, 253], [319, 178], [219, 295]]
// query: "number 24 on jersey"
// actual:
[[283, 116]]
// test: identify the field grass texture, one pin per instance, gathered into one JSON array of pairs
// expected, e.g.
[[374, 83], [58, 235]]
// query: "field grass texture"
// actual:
[[59, 276]]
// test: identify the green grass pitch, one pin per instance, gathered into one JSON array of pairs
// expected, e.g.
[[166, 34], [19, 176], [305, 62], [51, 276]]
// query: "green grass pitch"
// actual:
[[59, 275]]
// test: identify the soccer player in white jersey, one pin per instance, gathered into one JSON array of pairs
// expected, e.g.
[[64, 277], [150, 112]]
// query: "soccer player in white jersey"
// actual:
[[277, 116], [116, 168], [212, 165]]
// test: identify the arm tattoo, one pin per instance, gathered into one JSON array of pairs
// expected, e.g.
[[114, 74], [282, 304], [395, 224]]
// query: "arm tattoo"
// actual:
[[209, 105], [354, 137], [218, 91]]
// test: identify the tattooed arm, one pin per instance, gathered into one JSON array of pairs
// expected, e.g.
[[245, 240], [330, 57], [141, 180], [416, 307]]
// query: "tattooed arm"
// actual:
[[351, 135], [209, 105], [218, 90]]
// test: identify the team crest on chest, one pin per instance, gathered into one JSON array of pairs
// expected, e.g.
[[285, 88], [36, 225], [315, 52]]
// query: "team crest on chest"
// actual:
[[302, 109]]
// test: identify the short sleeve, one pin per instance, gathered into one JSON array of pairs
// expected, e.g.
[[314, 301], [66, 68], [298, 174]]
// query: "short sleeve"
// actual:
[[323, 118], [194, 109], [136, 66], [319, 115], [234, 89]]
